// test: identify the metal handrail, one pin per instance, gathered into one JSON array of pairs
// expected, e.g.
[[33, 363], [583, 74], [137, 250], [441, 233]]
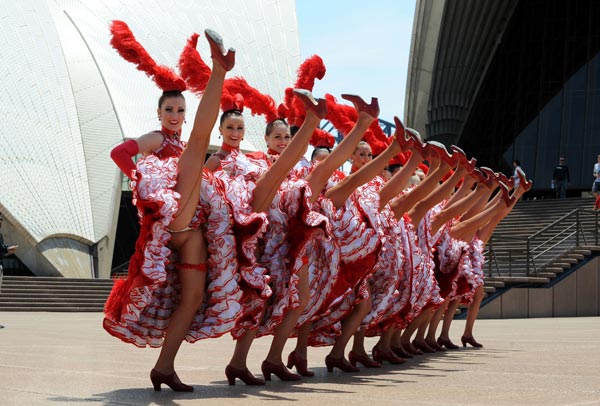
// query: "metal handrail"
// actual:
[[574, 229], [553, 223]]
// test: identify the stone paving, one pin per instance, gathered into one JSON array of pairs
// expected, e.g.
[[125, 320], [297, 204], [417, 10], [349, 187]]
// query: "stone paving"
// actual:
[[68, 359]]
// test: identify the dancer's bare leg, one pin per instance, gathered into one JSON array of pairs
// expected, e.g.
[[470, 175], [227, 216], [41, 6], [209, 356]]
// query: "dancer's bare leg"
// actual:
[[398, 182], [318, 178], [302, 340], [241, 350], [268, 184], [191, 162], [418, 211], [406, 202], [358, 343], [411, 329], [444, 338], [419, 340], [340, 192], [385, 340], [284, 329], [433, 324], [192, 293], [473, 312], [349, 326]]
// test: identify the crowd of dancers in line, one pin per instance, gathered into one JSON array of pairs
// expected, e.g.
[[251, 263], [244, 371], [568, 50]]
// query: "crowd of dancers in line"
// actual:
[[267, 243]]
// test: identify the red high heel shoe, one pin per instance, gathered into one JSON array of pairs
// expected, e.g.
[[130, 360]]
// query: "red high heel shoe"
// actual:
[[360, 105], [488, 172], [388, 356], [478, 175], [400, 135], [527, 184], [399, 351], [364, 359], [171, 380], [301, 364], [279, 370], [443, 153], [434, 345], [243, 375], [447, 343], [508, 200], [217, 50], [422, 345], [411, 349], [462, 160], [470, 340], [319, 106], [339, 363]]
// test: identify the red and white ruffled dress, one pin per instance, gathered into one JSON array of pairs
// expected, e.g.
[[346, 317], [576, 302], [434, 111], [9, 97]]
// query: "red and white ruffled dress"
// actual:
[[359, 244], [139, 308], [418, 288], [295, 237], [470, 271], [427, 242], [448, 252], [232, 232], [385, 280]]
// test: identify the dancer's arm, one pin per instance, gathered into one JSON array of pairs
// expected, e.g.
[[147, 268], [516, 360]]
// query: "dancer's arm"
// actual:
[[123, 153]]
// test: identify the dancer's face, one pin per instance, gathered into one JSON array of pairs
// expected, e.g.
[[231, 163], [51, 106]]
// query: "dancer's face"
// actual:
[[172, 113], [233, 130], [362, 155], [278, 138], [320, 155]]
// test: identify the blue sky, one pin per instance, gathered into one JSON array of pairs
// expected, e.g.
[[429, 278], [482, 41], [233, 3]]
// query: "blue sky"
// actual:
[[365, 46]]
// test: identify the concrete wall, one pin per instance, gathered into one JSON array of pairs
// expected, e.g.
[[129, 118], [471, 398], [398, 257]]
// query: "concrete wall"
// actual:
[[576, 295]]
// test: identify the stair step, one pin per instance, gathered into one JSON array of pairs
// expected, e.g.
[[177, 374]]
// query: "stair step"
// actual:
[[520, 279], [489, 289], [582, 252], [495, 284], [570, 260], [56, 279], [553, 269], [53, 295], [50, 300], [549, 275], [564, 265], [38, 304], [52, 309]]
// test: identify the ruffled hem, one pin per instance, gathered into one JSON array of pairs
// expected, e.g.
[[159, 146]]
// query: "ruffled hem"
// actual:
[[238, 179], [293, 229], [470, 276], [138, 308]]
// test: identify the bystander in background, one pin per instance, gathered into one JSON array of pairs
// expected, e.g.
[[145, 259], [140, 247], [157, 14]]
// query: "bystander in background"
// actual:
[[561, 178], [596, 185]]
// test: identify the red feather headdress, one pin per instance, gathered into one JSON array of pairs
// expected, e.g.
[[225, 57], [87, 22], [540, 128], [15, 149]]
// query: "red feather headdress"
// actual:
[[132, 51]]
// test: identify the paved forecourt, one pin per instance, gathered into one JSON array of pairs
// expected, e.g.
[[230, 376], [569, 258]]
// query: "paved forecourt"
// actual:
[[68, 359]]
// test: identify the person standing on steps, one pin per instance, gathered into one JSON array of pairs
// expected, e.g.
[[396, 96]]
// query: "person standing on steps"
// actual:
[[561, 178]]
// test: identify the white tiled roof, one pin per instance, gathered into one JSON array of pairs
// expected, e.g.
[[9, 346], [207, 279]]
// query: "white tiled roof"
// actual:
[[68, 97]]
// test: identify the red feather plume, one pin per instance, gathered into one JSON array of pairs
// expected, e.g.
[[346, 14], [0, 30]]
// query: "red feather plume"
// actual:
[[132, 51], [257, 102], [321, 138], [193, 69], [342, 117], [312, 68]]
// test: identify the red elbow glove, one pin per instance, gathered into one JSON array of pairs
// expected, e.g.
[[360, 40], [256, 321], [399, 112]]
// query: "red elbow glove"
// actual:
[[122, 155]]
